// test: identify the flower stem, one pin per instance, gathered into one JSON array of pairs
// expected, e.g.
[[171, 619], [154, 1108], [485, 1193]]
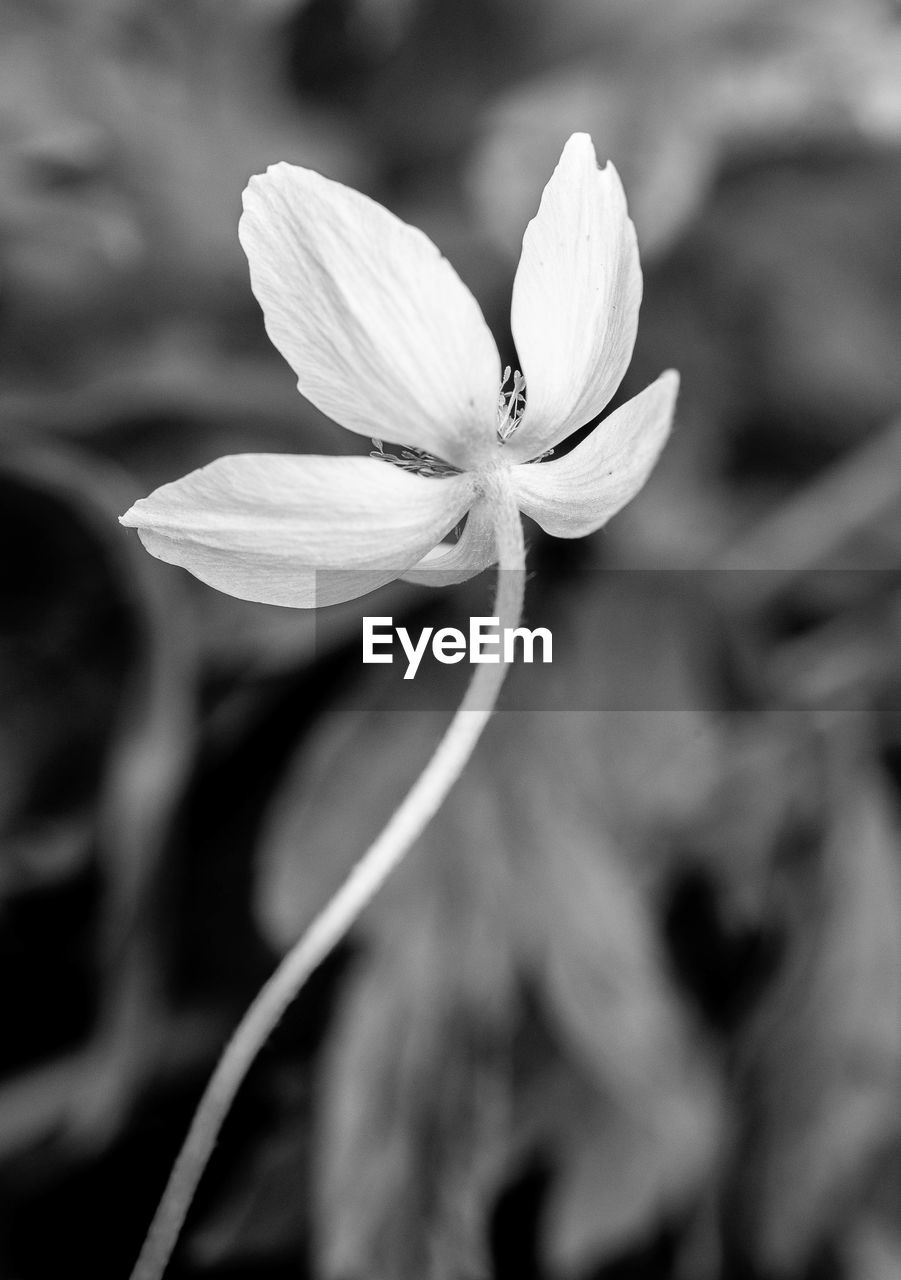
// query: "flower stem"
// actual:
[[339, 914]]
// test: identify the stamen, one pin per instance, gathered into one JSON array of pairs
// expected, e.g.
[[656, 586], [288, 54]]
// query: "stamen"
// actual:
[[510, 404], [416, 461]]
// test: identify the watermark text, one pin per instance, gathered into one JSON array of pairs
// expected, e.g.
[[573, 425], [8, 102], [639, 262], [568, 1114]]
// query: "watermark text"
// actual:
[[486, 641]]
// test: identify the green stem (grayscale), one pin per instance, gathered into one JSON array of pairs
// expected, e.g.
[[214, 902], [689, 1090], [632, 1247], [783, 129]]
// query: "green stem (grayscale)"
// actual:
[[362, 884]]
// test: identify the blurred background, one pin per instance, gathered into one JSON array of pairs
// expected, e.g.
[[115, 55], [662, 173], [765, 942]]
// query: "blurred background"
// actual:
[[633, 1010]]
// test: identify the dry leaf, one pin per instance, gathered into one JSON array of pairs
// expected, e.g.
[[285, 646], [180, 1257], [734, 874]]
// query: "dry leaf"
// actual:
[[641, 1153], [822, 1064]]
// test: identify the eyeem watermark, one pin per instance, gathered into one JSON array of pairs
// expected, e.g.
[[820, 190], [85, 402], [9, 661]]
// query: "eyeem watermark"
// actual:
[[486, 641]]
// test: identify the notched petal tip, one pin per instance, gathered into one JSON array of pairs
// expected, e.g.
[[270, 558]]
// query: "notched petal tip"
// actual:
[[579, 151], [274, 175], [579, 142], [575, 299]]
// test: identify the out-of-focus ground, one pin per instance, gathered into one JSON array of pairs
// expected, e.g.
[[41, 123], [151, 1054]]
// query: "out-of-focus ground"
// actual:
[[633, 1010]]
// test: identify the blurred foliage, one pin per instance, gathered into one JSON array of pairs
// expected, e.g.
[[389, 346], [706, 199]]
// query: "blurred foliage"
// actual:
[[633, 1009]]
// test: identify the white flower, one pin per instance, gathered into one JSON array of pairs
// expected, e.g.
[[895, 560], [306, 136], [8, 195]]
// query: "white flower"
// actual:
[[386, 339]]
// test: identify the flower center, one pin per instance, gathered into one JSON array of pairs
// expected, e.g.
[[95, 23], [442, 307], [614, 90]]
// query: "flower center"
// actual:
[[511, 404]]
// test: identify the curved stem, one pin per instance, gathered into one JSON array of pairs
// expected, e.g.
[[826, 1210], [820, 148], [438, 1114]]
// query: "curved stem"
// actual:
[[338, 916]]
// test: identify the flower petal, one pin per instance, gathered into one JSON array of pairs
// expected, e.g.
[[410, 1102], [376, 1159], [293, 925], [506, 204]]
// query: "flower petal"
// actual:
[[575, 300], [454, 562], [295, 530], [383, 335], [578, 493]]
